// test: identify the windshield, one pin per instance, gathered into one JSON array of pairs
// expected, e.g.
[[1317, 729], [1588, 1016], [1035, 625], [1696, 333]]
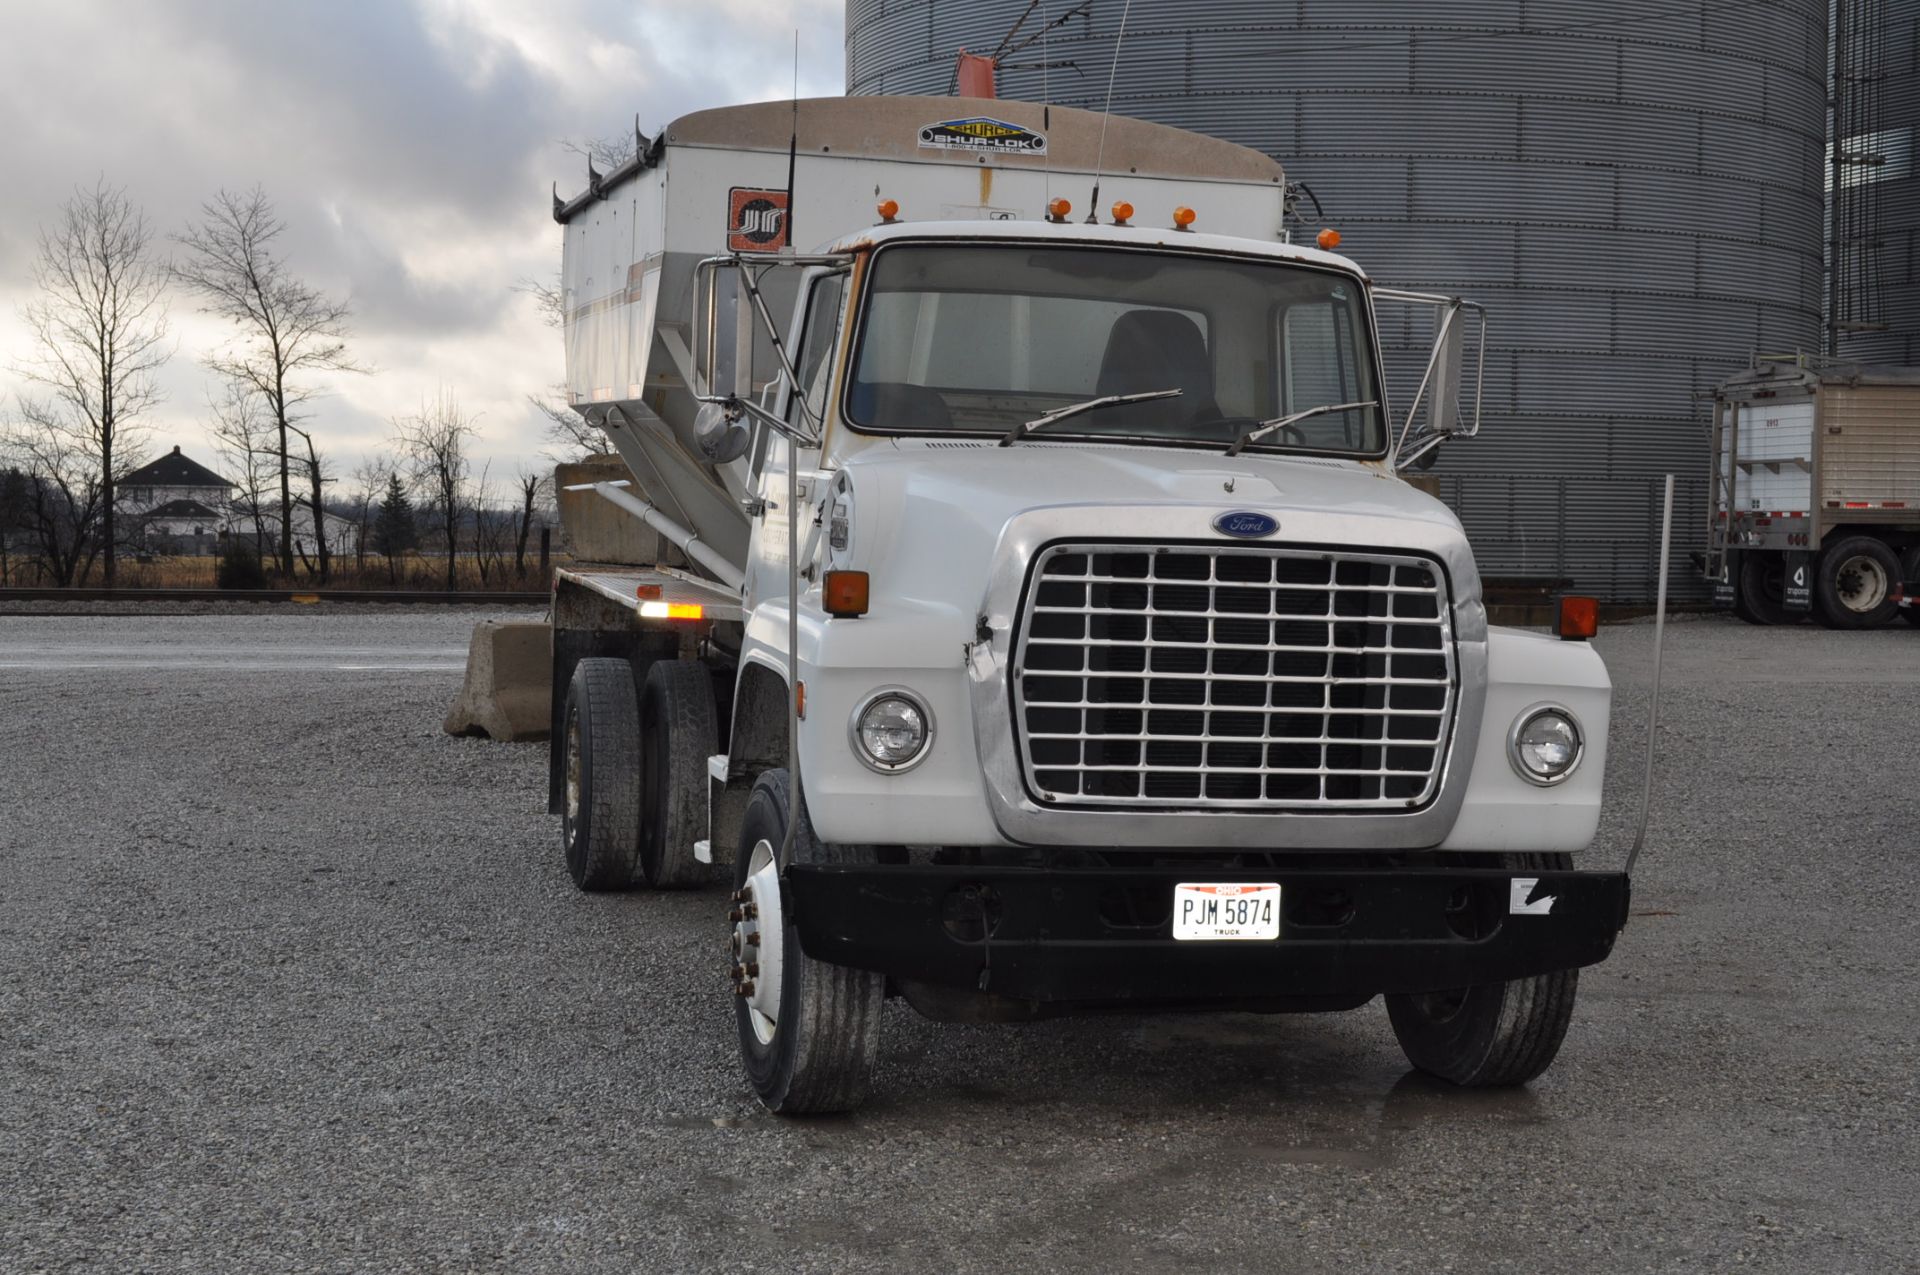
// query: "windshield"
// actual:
[[979, 338]]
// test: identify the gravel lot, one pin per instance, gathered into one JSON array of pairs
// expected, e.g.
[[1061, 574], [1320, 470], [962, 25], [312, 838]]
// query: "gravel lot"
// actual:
[[292, 981]]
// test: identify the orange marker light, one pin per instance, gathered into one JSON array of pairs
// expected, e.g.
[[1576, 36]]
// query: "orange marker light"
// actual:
[[1328, 239], [646, 592], [1057, 209], [800, 699], [888, 209], [1579, 618], [1122, 212], [844, 593], [672, 611], [1183, 217]]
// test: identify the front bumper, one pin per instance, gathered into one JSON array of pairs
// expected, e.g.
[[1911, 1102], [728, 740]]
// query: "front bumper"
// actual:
[[1100, 935]]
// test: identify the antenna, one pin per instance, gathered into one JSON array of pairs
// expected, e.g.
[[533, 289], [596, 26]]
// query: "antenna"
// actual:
[[1100, 158], [793, 141]]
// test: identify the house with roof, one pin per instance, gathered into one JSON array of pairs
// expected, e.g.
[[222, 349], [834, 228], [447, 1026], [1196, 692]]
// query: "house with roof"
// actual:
[[175, 505]]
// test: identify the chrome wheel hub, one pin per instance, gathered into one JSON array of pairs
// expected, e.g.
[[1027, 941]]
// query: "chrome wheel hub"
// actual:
[[757, 940]]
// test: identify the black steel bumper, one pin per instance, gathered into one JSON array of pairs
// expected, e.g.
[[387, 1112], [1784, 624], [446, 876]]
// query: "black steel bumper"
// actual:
[[1106, 934]]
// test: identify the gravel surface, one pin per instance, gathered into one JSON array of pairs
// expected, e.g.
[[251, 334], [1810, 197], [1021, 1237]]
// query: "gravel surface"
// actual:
[[292, 981]]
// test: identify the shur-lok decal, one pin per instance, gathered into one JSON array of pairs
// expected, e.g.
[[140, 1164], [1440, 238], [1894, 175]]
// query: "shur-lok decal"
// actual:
[[756, 220], [983, 134]]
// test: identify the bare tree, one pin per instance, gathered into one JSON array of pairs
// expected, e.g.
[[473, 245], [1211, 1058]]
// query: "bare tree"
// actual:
[[99, 328], [569, 435], [61, 502], [247, 451], [286, 329], [436, 442], [312, 465], [366, 488], [533, 485]]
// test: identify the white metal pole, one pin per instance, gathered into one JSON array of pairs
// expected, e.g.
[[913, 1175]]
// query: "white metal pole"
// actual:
[[1653, 706]]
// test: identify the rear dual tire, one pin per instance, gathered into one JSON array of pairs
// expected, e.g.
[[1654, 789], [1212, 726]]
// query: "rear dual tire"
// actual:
[[635, 774], [1854, 583]]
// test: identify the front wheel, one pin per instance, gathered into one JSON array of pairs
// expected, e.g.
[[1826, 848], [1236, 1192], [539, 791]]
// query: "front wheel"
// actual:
[[809, 1031], [1493, 1036]]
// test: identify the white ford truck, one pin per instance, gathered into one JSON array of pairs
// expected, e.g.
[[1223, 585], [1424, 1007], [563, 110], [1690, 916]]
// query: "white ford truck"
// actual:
[[1039, 623]]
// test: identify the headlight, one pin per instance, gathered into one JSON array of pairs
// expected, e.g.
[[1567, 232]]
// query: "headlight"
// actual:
[[1545, 745], [892, 731]]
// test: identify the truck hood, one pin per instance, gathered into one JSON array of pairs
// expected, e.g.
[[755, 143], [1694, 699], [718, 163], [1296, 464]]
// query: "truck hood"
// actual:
[[928, 510]]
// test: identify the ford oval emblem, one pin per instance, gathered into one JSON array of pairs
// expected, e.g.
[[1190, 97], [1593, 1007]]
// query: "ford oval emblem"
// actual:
[[1246, 524]]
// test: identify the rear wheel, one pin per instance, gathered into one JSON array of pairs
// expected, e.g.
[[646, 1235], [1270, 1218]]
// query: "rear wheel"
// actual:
[[1853, 586], [1492, 1036], [600, 817], [809, 1031], [677, 736], [1910, 580], [1761, 597]]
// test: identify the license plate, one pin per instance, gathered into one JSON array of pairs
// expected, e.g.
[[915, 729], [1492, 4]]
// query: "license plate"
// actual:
[[1233, 910]]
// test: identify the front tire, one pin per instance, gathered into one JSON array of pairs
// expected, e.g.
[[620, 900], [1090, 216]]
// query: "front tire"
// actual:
[[1493, 1036], [600, 816], [809, 1031]]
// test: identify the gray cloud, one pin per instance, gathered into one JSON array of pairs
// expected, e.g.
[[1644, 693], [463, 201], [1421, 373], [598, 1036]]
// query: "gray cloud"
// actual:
[[408, 145]]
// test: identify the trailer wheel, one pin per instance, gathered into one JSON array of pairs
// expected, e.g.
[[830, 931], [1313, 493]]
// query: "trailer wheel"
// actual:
[[677, 735], [600, 816], [1854, 583], [1910, 581], [1493, 1036], [1761, 597], [809, 1031]]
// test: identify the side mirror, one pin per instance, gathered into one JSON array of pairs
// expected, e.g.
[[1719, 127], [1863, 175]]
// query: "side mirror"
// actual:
[[1444, 387], [722, 432]]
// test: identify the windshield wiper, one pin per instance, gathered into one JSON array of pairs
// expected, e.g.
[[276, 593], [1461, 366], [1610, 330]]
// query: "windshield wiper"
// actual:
[[1281, 422], [1021, 430]]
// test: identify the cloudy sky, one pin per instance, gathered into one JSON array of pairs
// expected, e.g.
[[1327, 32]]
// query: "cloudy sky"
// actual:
[[410, 145]]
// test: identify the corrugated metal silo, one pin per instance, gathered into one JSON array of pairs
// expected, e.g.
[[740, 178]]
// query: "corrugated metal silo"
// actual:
[[1879, 200], [1634, 188]]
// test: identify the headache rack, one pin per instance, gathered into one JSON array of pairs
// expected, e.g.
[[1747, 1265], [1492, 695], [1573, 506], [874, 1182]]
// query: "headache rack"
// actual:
[[1234, 677]]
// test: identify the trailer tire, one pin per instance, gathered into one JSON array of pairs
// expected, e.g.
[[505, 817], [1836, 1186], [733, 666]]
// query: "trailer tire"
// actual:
[[677, 735], [600, 808], [1909, 580], [1496, 1035], [1854, 582], [1761, 596], [817, 1052]]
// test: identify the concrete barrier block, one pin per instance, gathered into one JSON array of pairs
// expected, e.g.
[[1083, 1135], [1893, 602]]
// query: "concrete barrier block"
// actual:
[[508, 693]]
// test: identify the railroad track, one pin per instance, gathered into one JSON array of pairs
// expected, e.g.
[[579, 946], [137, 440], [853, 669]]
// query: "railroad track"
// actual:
[[397, 596]]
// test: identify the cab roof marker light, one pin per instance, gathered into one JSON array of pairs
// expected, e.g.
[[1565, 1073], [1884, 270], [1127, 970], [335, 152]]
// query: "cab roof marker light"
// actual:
[[1328, 239], [889, 210], [1184, 217], [1122, 212], [1057, 210]]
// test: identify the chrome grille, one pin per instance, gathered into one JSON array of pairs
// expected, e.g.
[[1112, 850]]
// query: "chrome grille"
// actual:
[[1234, 677]]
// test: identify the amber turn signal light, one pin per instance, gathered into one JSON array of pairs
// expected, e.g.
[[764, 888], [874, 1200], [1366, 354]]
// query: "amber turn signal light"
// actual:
[[1328, 239], [1579, 618], [888, 210], [1122, 213], [1183, 217], [845, 594], [1057, 209]]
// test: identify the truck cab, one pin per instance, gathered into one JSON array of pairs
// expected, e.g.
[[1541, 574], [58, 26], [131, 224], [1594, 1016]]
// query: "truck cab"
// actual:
[[1081, 647]]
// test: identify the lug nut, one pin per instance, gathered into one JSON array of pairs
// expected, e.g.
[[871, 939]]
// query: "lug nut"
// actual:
[[736, 916], [751, 911], [753, 969], [743, 990]]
